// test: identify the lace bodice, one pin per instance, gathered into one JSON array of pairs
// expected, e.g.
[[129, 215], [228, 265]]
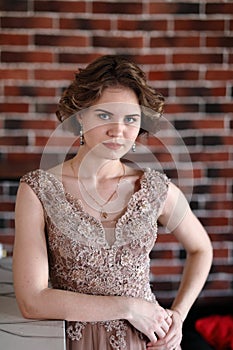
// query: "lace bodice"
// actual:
[[81, 259]]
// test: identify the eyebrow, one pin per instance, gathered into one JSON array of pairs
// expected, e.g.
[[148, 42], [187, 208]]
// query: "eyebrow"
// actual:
[[107, 112], [102, 110]]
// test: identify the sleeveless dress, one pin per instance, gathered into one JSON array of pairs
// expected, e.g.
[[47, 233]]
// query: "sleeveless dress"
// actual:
[[81, 260]]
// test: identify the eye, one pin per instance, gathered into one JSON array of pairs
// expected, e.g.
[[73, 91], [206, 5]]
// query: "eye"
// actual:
[[131, 120], [104, 116]]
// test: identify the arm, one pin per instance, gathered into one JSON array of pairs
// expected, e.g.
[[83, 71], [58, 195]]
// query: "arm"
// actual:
[[193, 237], [36, 300]]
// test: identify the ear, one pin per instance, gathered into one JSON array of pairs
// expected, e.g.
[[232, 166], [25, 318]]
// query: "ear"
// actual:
[[79, 117]]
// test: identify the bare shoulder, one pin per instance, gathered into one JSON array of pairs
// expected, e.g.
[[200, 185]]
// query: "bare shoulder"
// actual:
[[61, 170], [27, 199], [175, 209], [129, 171]]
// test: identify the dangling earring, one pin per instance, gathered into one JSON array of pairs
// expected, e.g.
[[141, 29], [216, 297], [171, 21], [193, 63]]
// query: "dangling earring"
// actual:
[[81, 137], [134, 147]]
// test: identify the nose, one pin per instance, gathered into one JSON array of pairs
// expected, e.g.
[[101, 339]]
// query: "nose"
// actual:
[[116, 129]]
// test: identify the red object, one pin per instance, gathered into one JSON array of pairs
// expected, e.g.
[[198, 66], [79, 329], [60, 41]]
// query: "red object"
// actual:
[[217, 331]]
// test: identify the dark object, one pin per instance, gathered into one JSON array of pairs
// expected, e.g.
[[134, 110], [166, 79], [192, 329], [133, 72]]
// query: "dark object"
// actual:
[[192, 340]]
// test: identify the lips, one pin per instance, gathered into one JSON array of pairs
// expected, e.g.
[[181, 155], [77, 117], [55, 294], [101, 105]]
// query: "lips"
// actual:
[[113, 145]]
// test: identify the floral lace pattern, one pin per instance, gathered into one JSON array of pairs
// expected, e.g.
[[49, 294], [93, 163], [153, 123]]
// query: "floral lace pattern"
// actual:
[[80, 257]]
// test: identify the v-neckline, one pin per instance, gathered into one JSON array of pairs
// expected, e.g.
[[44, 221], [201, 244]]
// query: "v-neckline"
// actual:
[[79, 205]]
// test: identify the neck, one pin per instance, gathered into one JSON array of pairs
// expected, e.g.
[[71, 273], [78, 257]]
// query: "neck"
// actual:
[[87, 166]]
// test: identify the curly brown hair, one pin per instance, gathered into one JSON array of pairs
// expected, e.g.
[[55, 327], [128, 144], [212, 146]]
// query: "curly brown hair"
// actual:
[[108, 71]]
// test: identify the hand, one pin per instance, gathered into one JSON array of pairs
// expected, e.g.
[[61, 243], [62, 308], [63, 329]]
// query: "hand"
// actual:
[[150, 318], [172, 340]]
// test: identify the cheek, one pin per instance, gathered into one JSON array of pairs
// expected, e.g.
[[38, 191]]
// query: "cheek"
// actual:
[[93, 135], [132, 132], [91, 126]]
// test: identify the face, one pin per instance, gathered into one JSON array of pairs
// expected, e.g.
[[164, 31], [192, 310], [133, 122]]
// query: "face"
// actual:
[[111, 126]]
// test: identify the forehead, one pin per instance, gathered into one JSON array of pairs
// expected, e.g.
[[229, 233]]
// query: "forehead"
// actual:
[[118, 99], [117, 94]]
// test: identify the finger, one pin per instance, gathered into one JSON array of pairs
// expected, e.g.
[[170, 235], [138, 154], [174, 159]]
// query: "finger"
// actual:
[[166, 343], [153, 338], [166, 325], [168, 320], [160, 332]]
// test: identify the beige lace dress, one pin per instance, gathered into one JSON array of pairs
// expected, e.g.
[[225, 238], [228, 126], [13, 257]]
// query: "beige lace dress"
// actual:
[[80, 258]]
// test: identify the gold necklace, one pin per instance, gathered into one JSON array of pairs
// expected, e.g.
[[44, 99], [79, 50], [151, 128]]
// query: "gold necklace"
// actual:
[[103, 213]]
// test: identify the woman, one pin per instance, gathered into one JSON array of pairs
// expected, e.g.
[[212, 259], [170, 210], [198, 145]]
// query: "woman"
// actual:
[[90, 223]]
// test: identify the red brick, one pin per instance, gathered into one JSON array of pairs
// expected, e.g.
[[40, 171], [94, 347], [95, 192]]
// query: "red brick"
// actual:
[[181, 108], [209, 156], [214, 189], [231, 24], [219, 205], [219, 107], [54, 74], [118, 41], [77, 58], [14, 39], [30, 124], [201, 91], [148, 59], [27, 90], [218, 285], [47, 108], [26, 22], [60, 6], [16, 141], [197, 58], [7, 206], [159, 143], [144, 25], [220, 41], [173, 8], [7, 239], [14, 107], [175, 41], [209, 124], [28, 57], [57, 141], [218, 140], [162, 157], [230, 58], [24, 157], [219, 74], [161, 254], [228, 140], [181, 124], [12, 73], [166, 270], [219, 8], [61, 40], [20, 167], [174, 75], [222, 268], [7, 5], [117, 7], [225, 172], [85, 24], [199, 25], [214, 221], [221, 237], [221, 253], [158, 286], [188, 173]]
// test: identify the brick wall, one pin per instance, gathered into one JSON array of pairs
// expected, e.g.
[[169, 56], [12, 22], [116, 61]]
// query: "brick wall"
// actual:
[[185, 49]]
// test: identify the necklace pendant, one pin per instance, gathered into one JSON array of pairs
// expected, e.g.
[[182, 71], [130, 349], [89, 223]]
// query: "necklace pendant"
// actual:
[[103, 214]]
